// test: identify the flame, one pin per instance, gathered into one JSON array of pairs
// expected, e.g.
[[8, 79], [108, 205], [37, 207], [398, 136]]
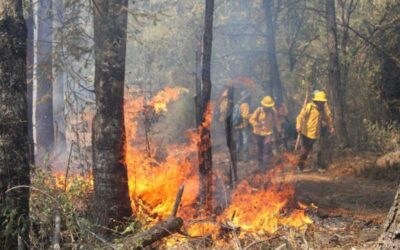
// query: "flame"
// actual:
[[153, 183], [167, 95], [257, 210], [203, 228], [72, 179], [260, 207], [258, 204]]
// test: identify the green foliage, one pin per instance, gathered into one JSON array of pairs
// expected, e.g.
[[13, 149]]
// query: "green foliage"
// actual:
[[381, 137], [12, 221], [73, 206]]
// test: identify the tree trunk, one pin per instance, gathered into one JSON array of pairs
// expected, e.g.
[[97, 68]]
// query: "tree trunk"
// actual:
[[30, 24], [197, 98], [44, 90], [230, 142], [109, 167], [205, 153], [14, 151], [335, 85], [390, 238], [275, 87], [59, 79]]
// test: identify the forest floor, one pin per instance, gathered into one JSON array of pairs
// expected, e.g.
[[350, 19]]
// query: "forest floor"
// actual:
[[352, 196]]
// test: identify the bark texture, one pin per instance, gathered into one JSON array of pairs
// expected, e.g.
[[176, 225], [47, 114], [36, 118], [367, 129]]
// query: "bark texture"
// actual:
[[230, 142], [44, 89], [14, 163], [275, 87], [109, 168], [336, 88], [390, 238], [205, 153], [29, 76]]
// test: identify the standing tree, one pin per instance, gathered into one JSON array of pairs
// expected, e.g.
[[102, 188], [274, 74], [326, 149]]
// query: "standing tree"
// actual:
[[59, 76], [230, 140], [29, 76], [44, 91], [335, 83], [205, 153], [275, 88], [14, 163], [109, 168]]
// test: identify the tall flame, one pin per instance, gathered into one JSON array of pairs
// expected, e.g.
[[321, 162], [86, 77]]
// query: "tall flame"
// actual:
[[153, 184]]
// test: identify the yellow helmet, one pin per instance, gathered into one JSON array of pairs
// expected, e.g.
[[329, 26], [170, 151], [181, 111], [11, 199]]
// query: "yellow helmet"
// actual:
[[225, 93], [268, 102], [320, 96]]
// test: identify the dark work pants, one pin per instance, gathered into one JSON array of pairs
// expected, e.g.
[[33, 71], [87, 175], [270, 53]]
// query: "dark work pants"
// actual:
[[306, 147], [242, 143], [264, 144]]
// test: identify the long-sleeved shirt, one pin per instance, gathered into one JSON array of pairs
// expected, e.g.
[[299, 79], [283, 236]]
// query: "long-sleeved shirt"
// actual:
[[245, 115], [263, 122], [310, 119]]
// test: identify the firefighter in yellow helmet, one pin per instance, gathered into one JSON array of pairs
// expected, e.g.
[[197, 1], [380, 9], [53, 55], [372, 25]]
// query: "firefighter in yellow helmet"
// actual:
[[309, 123], [265, 126]]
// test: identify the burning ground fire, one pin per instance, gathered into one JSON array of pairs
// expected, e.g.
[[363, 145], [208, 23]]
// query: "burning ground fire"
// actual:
[[258, 204]]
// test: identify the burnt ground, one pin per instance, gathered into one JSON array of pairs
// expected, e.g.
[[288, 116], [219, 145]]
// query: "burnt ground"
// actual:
[[352, 196]]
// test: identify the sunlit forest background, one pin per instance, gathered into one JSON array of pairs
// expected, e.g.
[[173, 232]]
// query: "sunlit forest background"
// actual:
[[120, 114]]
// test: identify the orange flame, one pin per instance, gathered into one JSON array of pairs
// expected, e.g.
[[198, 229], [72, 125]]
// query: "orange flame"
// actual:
[[167, 95], [73, 178], [153, 183], [259, 205]]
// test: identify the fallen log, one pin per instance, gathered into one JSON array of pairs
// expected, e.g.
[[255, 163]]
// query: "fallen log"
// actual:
[[389, 160], [163, 229], [156, 233]]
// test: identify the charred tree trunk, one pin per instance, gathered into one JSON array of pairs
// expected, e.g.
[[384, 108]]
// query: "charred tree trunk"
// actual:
[[275, 88], [230, 142], [14, 151], [30, 23], [205, 153], [335, 84], [109, 168], [44, 91], [390, 238], [197, 98]]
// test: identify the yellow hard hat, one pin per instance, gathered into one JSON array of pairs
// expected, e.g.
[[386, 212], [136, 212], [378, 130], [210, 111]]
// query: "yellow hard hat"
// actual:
[[225, 93], [268, 102], [320, 96]]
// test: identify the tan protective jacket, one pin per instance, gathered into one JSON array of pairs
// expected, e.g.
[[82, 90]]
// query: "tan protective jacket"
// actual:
[[263, 122], [245, 115], [310, 119]]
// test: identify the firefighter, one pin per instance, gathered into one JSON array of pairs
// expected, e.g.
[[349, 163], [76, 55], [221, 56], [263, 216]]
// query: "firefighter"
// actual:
[[240, 118], [265, 126], [223, 106], [309, 124]]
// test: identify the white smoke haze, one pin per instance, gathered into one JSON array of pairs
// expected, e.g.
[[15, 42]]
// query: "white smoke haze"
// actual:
[[161, 51]]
